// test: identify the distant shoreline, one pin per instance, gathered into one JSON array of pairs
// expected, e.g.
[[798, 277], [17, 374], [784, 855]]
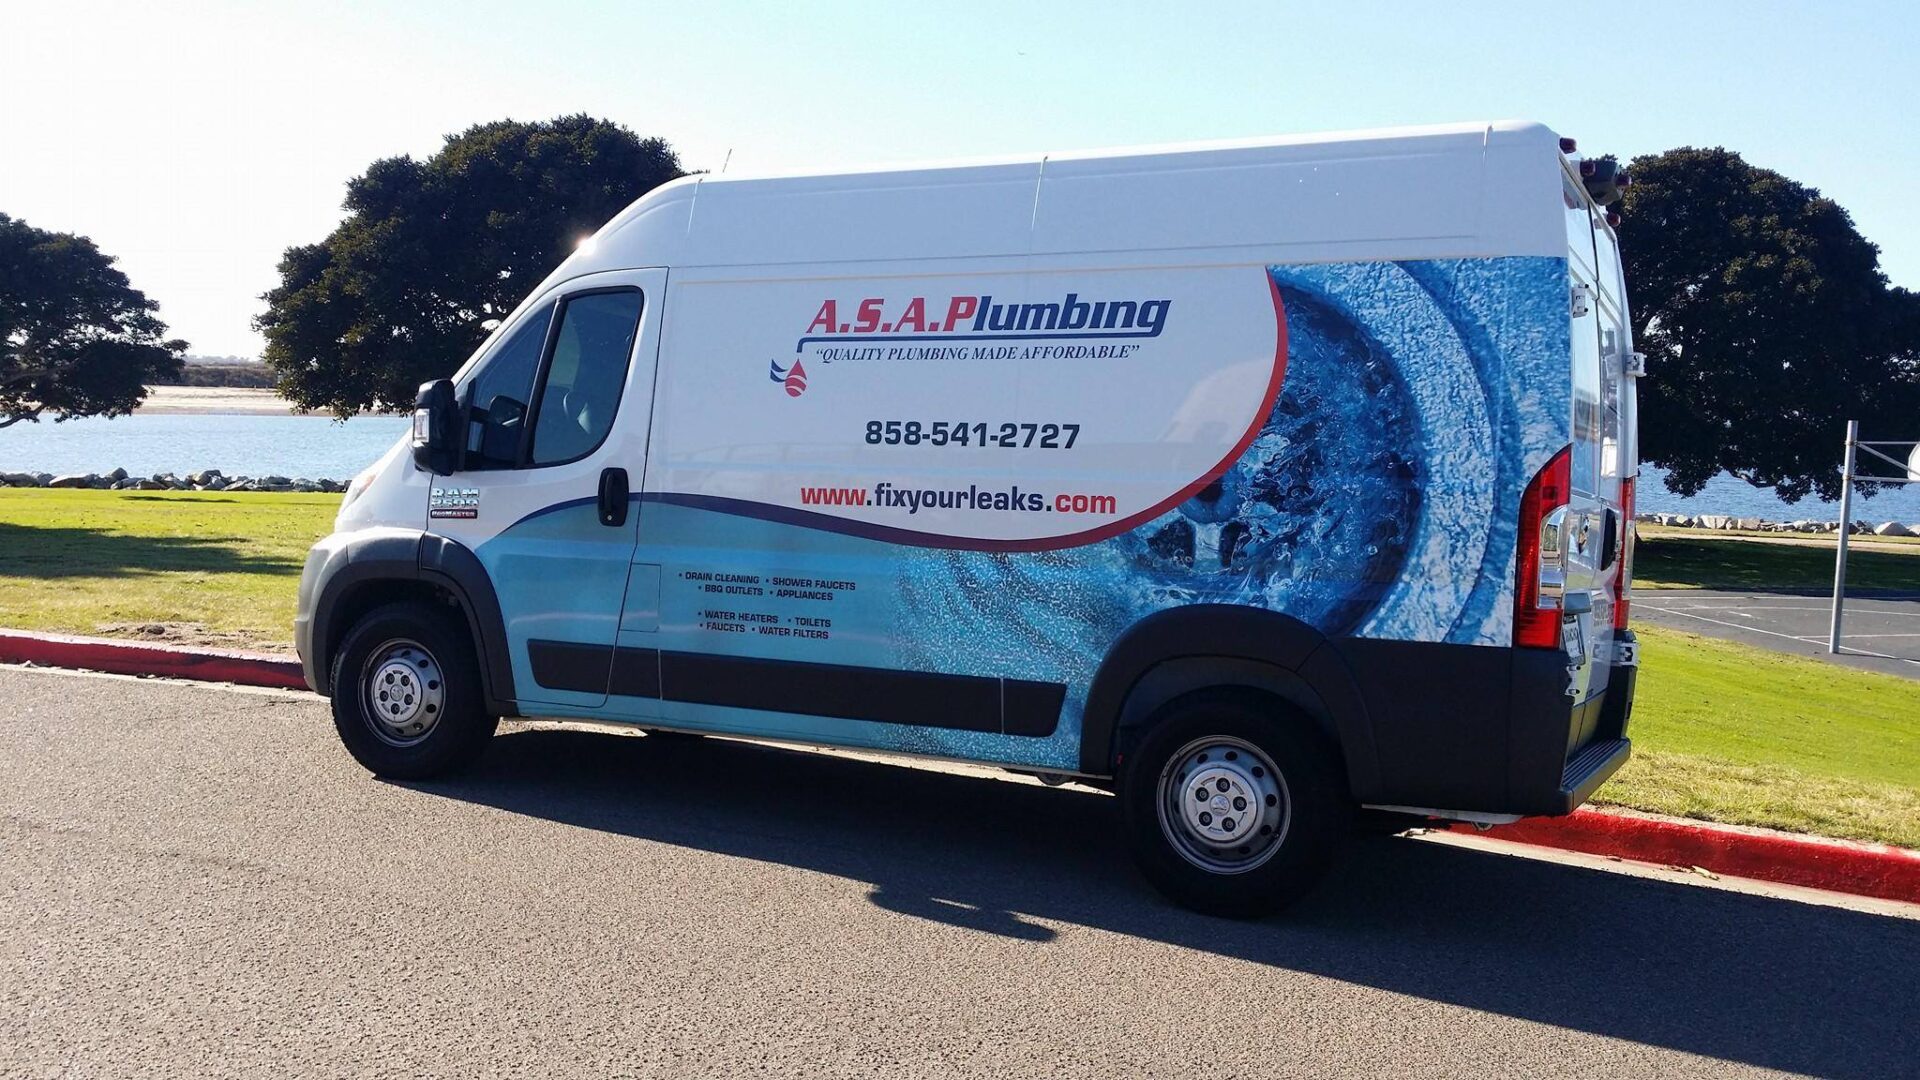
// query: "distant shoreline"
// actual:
[[206, 400], [223, 401]]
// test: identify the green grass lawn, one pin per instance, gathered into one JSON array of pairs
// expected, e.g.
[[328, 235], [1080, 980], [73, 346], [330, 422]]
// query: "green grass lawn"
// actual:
[[1721, 731], [192, 567], [1727, 732], [1669, 561]]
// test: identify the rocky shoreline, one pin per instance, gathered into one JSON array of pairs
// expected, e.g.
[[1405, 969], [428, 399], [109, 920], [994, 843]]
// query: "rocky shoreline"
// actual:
[[1720, 522], [205, 480]]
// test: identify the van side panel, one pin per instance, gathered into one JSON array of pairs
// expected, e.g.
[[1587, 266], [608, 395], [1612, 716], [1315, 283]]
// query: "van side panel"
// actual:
[[1342, 443]]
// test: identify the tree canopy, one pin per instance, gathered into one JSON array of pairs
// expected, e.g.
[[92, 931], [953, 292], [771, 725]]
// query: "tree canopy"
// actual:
[[432, 251], [1767, 324], [76, 338]]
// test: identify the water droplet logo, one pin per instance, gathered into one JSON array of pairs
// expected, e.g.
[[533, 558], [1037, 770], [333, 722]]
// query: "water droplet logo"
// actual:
[[793, 379]]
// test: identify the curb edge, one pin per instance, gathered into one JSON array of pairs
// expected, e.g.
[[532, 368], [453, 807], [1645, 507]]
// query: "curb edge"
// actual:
[[1877, 870], [138, 658]]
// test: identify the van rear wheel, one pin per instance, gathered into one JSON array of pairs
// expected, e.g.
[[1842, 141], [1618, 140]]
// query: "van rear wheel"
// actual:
[[406, 694], [1232, 806]]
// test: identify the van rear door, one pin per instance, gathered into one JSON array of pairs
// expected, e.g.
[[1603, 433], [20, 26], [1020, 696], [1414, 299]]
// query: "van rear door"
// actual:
[[1620, 446], [1590, 509]]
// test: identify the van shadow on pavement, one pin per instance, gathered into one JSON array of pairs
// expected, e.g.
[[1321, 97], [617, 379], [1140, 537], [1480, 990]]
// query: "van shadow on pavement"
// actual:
[[1744, 978]]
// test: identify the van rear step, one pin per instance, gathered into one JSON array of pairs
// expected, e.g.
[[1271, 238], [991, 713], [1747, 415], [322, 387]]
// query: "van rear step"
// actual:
[[1590, 768]]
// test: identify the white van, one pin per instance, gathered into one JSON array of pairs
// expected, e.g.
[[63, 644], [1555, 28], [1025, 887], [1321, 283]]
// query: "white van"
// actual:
[[1257, 482]]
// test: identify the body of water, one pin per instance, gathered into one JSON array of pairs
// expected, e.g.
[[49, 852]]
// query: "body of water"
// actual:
[[317, 447], [143, 444], [1736, 498]]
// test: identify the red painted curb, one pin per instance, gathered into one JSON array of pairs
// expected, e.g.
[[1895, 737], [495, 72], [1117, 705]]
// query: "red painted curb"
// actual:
[[137, 658], [1880, 870]]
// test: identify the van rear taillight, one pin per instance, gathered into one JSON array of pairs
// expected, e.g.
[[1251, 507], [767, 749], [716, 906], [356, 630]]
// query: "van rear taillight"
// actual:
[[1534, 625], [1622, 579]]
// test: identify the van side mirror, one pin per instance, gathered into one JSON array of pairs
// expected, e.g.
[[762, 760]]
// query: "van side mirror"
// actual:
[[436, 427]]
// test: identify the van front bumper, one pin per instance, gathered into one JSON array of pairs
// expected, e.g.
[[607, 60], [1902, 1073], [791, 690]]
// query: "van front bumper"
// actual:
[[323, 561]]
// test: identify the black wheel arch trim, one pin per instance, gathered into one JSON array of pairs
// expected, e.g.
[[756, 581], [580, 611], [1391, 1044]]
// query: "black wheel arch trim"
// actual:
[[411, 556], [455, 566], [1180, 650]]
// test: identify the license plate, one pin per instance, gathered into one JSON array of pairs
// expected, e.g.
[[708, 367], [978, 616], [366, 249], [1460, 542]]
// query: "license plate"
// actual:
[[1574, 639]]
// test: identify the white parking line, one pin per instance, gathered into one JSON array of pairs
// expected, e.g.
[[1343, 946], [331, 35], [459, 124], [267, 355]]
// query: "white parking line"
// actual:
[[1852, 605], [1776, 633]]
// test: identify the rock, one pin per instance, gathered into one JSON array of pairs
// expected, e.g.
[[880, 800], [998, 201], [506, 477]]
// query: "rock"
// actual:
[[305, 486], [150, 484], [275, 480], [117, 474], [103, 483], [19, 479], [1891, 528], [215, 483], [122, 485], [1748, 524], [204, 477], [73, 480], [1715, 521]]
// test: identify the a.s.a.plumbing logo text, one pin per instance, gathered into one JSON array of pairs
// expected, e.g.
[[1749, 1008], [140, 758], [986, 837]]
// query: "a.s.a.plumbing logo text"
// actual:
[[980, 328]]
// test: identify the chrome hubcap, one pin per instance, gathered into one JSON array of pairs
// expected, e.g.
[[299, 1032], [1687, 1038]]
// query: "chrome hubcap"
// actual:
[[404, 692], [1223, 806]]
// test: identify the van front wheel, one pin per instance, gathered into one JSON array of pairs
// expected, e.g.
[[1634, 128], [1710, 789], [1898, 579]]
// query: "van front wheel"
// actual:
[[1232, 808], [406, 694]]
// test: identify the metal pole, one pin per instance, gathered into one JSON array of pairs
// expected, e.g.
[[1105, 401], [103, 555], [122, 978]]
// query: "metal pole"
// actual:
[[1846, 527]]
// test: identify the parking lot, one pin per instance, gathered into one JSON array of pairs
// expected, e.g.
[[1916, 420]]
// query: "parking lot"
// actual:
[[1879, 633], [197, 881]]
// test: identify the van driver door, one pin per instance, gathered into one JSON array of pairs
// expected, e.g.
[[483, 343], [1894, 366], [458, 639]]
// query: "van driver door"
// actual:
[[556, 417]]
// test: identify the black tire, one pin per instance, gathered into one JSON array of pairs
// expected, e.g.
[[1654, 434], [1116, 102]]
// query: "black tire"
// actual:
[[1307, 807], [451, 725]]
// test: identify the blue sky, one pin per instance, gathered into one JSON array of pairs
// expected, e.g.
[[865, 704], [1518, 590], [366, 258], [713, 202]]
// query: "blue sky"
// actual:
[[197, 140]]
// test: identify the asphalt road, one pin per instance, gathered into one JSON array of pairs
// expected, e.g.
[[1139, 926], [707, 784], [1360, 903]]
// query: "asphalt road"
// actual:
[[198, 882], [1878, 633]]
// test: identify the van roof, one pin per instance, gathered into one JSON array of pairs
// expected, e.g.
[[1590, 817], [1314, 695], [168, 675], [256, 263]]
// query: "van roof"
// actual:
[[1457, 190]]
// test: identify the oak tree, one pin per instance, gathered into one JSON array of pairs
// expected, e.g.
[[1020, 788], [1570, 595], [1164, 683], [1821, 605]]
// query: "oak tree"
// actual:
[[76, 338], [433, 251], [1767, 323]]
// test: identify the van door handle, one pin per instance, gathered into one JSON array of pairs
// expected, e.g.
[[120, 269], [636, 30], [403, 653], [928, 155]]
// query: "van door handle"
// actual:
[[1610, 542], [613, 497]]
